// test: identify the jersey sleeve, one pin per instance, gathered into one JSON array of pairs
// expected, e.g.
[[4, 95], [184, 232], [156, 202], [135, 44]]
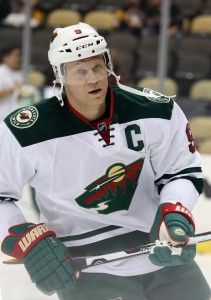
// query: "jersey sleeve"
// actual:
[[10, 215], [15, 172], [175, 160]]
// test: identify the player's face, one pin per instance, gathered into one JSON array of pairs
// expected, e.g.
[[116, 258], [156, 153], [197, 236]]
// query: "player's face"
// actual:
[[85, 71], [13, 59], [86, 82]]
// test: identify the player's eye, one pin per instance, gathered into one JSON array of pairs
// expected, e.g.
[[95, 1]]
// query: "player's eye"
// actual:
[[97, 68], [81, 72]]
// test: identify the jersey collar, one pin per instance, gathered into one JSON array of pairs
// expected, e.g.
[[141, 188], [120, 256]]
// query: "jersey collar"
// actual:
[[77, 116]]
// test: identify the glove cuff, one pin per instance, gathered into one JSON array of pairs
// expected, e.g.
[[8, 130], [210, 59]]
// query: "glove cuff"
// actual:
[[178, 208], [22, 243]]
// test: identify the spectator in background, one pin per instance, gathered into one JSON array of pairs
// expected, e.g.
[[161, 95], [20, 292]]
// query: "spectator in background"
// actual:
[[10, 79], [37, 12], [17, 17], [132, 16], [153, 11]]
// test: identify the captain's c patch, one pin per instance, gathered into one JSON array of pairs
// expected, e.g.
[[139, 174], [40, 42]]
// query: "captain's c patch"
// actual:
[[25, 117]]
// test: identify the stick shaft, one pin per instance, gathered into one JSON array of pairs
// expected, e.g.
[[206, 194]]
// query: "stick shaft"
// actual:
[[200, 238], [86, 262]]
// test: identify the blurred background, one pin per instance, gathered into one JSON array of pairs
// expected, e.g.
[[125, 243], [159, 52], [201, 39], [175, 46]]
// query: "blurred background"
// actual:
[[160, 44]]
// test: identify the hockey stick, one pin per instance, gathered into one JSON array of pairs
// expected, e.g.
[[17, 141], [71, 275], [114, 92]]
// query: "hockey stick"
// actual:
[[81, 263], [86, 262]]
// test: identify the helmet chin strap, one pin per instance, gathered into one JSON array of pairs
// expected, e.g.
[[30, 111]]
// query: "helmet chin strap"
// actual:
[[58, 95], [134, 91]]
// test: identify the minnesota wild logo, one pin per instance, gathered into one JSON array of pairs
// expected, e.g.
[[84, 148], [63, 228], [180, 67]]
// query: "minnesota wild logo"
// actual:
[[155, 96], [114, 190], [25, 117]]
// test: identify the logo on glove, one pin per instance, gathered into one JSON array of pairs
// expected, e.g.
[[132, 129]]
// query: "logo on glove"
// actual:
[[32, 235], [179, 231]]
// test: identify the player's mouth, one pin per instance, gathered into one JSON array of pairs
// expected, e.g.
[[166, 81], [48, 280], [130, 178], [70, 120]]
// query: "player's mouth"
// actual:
[[95, 92]]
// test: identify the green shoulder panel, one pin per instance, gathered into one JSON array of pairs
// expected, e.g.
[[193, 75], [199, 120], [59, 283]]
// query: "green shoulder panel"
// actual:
[[43, 121], [133, 107], [48, 120]]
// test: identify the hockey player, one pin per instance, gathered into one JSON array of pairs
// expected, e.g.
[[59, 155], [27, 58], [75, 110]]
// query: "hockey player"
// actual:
[[113, 168]]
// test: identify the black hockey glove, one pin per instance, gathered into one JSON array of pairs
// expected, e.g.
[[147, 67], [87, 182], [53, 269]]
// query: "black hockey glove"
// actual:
[[173, 223], [45, 257]]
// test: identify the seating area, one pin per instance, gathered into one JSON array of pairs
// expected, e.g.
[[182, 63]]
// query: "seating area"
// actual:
[[135, 56], [170, 85], [201, 128]]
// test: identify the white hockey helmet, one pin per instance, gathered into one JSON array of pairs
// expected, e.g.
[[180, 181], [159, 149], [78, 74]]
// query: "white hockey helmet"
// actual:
[[77, 42], [74, 43]]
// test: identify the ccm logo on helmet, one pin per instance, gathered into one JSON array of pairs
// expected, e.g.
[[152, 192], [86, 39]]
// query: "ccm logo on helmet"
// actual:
[[84, 46]]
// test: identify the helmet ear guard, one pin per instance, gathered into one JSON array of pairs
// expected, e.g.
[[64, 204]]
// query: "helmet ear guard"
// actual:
[[108, 61]]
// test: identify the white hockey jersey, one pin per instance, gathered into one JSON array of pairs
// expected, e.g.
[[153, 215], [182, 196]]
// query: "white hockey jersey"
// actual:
[[101, 197]]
